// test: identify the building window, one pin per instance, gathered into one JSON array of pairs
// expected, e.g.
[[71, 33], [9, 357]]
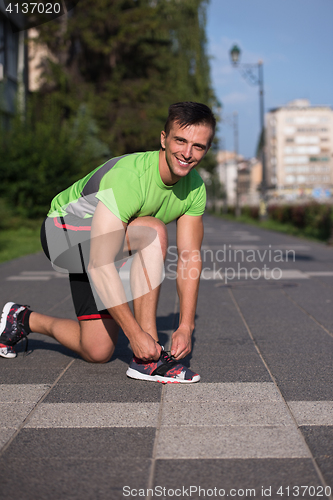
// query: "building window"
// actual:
[[296, 159], [307, 119], [321, 158], [303, 168], [307, 139], [309, 129], [289, 130]]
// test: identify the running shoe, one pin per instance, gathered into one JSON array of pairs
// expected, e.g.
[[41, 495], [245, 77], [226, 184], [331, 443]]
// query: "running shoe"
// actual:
[[166, 370], [11, 324], [7, 351]]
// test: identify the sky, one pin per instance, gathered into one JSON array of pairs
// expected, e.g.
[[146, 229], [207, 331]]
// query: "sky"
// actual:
[[293, 38]]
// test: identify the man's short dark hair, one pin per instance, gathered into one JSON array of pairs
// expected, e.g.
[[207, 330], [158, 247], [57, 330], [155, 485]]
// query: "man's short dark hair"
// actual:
[[190, 113]]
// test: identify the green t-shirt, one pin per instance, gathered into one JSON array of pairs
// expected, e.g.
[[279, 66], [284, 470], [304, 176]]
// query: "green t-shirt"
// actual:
[[131, 186]]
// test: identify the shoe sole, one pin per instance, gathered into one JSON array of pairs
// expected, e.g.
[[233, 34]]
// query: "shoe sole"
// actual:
[[8, 356], [157, 378], [4, 315]]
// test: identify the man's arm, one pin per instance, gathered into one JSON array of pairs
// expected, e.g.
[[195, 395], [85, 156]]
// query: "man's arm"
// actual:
[[189, 239], [107, 240]]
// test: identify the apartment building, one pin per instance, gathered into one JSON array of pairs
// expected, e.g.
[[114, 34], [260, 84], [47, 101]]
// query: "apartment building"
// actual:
[[227, 172], [299, 150], [247, 173]]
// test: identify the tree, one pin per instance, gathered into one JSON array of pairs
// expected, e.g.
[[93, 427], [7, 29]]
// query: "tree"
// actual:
[[129, 60]]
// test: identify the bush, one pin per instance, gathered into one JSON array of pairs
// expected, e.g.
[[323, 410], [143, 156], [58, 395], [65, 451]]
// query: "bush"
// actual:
[[45, 153], [280, 213], [314, 219], [319, 220], [251, 211]]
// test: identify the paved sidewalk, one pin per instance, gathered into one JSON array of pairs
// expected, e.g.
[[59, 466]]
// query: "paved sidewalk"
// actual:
[[258, 425]]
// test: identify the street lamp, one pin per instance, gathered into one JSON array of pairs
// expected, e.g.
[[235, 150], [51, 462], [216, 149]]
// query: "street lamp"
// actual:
[[233, 122], [248, 72]]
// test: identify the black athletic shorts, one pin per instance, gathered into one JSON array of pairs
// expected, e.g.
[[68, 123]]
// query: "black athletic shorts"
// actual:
[[66, 243]]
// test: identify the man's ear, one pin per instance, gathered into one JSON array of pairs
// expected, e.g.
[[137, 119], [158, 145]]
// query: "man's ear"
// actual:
[[163, 137]]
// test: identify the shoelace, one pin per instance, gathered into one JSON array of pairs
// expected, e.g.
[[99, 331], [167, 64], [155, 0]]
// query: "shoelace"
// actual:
[[21, 334], [168, 359]]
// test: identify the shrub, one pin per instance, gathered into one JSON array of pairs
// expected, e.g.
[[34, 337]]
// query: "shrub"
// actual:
[[251, 211], [44, 154]]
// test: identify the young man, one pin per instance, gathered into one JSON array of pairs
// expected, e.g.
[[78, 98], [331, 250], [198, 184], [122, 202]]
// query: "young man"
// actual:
[[118, 211]]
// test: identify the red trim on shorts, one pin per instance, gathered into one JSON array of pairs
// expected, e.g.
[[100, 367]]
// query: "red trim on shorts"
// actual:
[[72, 228], [94, 316]]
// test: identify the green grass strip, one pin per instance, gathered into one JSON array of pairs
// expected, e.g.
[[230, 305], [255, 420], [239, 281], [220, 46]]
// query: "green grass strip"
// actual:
[[15, 243], [272, 225]]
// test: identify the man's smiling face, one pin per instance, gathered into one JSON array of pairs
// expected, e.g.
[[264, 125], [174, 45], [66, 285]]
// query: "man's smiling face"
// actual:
[[183, 148]]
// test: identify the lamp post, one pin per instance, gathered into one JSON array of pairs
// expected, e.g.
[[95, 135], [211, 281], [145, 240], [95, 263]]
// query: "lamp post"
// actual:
[[233, 122], [248, 72]]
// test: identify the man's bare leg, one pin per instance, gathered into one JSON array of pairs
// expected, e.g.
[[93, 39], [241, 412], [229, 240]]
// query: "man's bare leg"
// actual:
[[146, 273], [94, 340]]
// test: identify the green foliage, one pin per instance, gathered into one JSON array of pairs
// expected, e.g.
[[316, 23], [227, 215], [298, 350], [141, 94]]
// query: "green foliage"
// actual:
[[45, 153], [129, 59], [314, 220], [250, 211]]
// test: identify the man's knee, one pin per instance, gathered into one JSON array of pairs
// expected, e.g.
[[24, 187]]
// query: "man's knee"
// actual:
[[97, 354], [145, 231], [97, 341], [94, 356]]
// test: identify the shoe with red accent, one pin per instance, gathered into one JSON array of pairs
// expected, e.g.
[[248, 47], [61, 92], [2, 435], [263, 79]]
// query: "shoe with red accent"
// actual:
[[166, 370], [7, 351], [11, 324]]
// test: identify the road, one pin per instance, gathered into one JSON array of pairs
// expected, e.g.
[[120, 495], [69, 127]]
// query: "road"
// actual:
[[258, 425]]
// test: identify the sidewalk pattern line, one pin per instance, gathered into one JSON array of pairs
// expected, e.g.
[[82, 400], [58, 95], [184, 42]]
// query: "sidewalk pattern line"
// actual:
[[207, 274], [214, 420]]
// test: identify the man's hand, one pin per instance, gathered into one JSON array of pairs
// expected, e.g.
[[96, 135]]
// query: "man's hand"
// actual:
[[181, 343], [145, 347]]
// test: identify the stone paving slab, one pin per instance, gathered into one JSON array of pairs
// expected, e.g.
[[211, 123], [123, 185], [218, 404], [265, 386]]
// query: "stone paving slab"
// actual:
[[98, 392], [320, 442], [230, 392], [212, 413], [22, 393], [298, 351], [94, 415], [230, 442], [56, 456], [5, 434], [235, 476], [312, 412], [54, 479], [83, 443], [317, 299], [13, 414]]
